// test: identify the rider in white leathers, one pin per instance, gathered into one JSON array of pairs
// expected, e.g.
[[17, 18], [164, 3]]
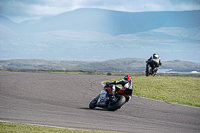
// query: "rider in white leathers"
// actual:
[[155, 61]]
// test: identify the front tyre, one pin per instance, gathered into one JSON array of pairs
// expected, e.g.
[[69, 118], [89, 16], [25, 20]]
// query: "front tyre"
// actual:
[[93, 103], [147, 70], [117, 105]]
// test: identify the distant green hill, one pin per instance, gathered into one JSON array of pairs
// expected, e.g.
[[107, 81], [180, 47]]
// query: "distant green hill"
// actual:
[[99, 34], [125, 64]]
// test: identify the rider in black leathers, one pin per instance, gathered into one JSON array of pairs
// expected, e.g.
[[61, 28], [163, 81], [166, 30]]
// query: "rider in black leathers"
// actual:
[[126, 90]]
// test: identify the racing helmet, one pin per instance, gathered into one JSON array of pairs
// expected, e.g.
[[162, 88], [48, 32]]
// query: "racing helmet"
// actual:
[[155, 56], [127, 78]]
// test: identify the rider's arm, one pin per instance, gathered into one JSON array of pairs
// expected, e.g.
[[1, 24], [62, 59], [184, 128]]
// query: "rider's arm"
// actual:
[[110, 83], [122, 82], [150, 58], [160, 63], [115, 82]]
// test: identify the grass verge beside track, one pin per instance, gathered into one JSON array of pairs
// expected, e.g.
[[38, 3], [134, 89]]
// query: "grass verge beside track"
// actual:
[[180, 90], [20, 128]]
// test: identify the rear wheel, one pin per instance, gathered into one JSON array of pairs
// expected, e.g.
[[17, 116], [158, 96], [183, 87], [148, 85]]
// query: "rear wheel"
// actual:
[[150, 70], [118, 104]]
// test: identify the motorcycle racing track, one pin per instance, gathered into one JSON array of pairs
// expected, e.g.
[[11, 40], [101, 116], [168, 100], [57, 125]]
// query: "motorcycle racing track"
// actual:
[[61, 100]]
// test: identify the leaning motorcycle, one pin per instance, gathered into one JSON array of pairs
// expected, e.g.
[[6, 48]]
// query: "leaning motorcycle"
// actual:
[[149, 68], [103, 100]]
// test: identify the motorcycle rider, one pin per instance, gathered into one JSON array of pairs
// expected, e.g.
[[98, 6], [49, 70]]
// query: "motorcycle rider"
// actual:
[[155, 62], [127, 87]]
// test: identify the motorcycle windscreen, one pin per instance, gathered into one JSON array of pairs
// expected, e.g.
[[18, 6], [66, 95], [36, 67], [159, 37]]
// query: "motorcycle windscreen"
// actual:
[[102, 98]]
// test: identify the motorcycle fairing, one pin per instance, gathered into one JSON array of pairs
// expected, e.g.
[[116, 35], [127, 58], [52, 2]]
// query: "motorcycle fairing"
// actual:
[[107, 89]]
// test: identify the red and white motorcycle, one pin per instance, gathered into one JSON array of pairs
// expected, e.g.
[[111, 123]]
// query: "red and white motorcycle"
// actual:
[[104, 101]]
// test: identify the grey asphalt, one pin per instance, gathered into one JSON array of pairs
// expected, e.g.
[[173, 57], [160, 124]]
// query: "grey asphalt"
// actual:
[[62, 100]]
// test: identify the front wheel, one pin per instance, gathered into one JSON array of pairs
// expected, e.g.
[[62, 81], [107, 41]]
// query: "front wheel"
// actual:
[[93, 103], [118, 104], [147, 70]]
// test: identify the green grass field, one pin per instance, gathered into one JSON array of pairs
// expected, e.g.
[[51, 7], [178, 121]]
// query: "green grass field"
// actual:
[[19, 128], [181, 90]]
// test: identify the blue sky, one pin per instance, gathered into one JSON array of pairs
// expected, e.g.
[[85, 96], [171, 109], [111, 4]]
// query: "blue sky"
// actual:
[[20, 10]]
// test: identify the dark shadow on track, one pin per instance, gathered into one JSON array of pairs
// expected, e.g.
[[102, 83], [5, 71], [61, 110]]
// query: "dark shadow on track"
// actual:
[[98, 109]]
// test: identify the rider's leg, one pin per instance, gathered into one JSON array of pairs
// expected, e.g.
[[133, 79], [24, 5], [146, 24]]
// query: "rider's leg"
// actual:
[[111, 94], [156, 70], [156, 67]]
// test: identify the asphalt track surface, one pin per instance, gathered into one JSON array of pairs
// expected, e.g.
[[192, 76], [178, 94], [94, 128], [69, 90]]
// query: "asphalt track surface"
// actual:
[[61, 100]]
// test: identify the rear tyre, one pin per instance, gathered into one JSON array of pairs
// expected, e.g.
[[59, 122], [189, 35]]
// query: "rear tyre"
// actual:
[[118, 105], [150, 70]]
